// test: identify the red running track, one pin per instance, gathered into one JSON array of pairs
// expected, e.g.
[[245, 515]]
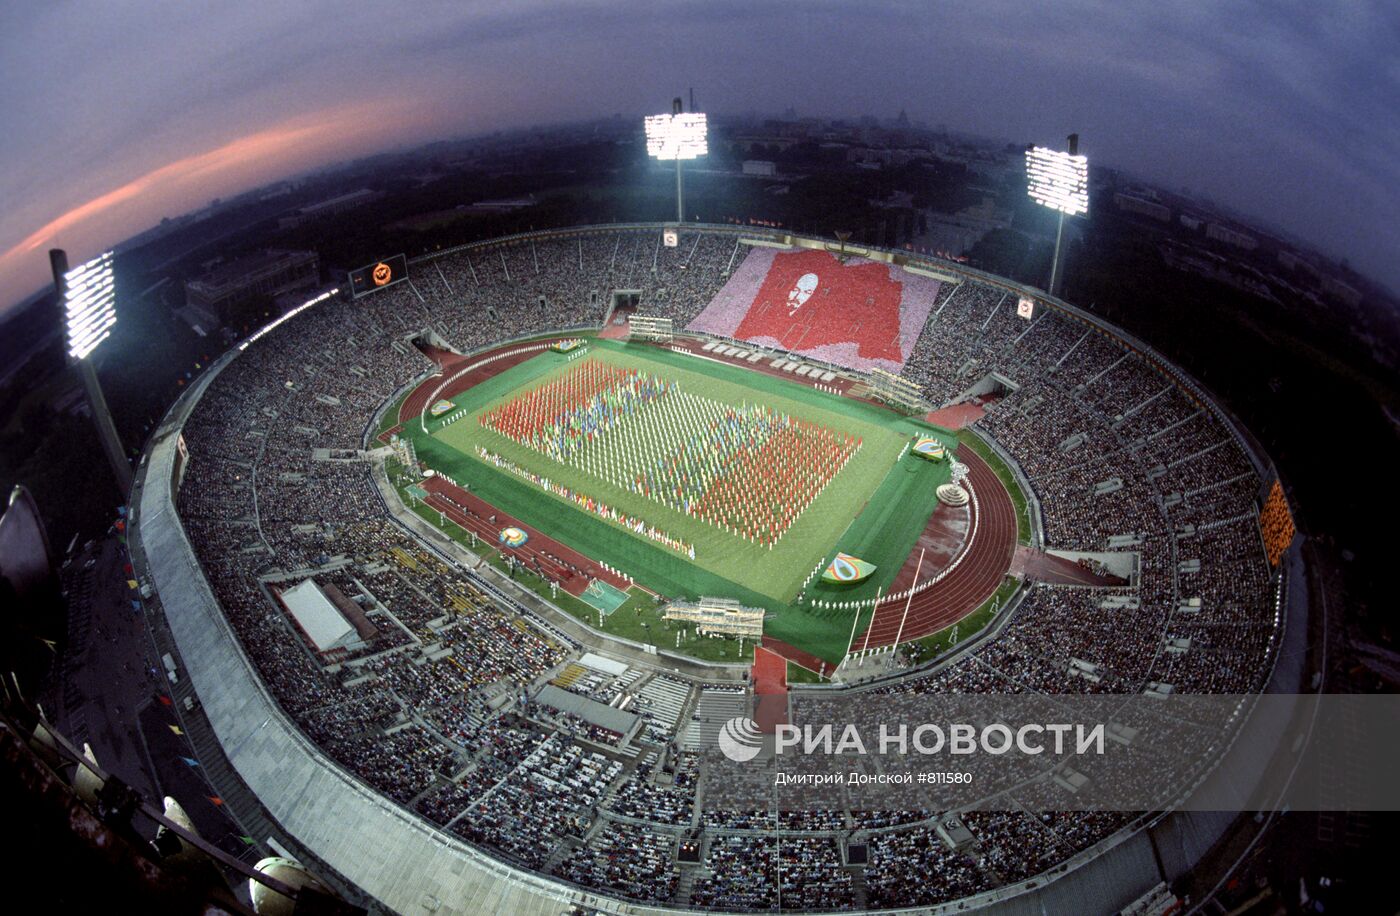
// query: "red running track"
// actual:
[[985, 565], [957, 416], [797, 656], [444, 358], [571, 569], [1044, 567], [769, 671], [417, 400]]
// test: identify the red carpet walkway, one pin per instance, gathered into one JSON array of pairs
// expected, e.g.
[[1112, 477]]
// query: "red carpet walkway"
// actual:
[[1044, 567], [770, 687], [957, 416]]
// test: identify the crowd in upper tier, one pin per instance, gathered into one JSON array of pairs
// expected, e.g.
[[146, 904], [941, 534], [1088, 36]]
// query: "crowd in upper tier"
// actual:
[[436, 713]]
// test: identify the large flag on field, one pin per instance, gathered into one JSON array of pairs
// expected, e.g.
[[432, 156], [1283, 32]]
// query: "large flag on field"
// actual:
[[846, 570]]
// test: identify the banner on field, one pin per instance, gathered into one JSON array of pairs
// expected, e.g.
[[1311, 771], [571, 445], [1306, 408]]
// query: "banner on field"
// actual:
[[929, 448], [846, 570]]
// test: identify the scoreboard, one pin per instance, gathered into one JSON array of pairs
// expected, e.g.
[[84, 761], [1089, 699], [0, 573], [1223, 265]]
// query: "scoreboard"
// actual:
[[1276, 524], [378, 275]]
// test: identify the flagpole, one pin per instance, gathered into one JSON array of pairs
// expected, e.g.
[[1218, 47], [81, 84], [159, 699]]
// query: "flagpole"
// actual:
[[856, 620], [905, 616]]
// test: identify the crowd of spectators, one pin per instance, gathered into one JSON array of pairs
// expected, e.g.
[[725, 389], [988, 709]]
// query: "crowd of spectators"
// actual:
[[1114, 452]]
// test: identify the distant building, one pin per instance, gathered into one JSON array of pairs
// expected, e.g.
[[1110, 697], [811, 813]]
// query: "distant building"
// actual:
[[281, 189], [953, 235], [1223, 233], [1340, 291], [1291, 260], [233, 283], [327, 208], [504, 205], [759, 167], [1190, 222], [868, 157], [766, 141], [1216, 267], [1142, 206]]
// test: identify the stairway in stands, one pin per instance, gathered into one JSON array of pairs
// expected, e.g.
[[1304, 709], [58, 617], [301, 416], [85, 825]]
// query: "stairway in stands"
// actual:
[[717, 706]]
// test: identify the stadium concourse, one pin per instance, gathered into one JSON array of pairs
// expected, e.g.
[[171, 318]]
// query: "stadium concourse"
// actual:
[[484, 748]]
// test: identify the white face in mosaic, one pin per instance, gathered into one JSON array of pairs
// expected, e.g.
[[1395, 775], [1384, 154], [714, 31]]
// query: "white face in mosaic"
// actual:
[[799, 294]]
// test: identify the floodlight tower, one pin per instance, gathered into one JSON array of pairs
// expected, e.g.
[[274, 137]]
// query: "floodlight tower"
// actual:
[[89, 296], [679, 136], [1059, 181]]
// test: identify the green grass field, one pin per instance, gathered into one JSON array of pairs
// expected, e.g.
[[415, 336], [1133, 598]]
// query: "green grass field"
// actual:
[[935, 644], [874, 508], [639, 619]]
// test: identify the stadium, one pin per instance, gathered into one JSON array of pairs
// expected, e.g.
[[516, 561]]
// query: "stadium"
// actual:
[[467, 565]]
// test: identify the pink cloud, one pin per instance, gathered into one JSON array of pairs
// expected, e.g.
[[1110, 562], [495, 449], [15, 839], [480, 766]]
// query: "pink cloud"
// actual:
[[286, 148]]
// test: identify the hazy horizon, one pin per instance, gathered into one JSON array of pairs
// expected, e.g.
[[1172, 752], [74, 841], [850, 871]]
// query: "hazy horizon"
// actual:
[[1285, 115]]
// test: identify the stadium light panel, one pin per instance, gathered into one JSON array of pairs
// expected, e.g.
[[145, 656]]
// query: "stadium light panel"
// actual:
[[677, 136], [1058, 180], [90, 305], [288, 316]]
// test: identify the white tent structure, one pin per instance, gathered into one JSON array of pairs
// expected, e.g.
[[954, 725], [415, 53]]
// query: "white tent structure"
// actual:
[[318, 617]]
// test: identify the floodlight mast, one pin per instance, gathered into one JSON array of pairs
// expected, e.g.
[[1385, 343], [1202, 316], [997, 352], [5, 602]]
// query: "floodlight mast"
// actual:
[[676, 136], [1055, 261], [1059, 181], [1060, 228], [88, 295], [680, 192]]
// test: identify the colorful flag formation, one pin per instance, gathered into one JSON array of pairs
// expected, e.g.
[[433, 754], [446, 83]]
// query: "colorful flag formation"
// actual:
[[589, 504], [847, 570], [763, 470], [560, 418], [749, 470], [929, 448]]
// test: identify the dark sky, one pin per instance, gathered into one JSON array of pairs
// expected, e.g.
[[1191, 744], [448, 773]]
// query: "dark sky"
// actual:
[[117, 114]]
